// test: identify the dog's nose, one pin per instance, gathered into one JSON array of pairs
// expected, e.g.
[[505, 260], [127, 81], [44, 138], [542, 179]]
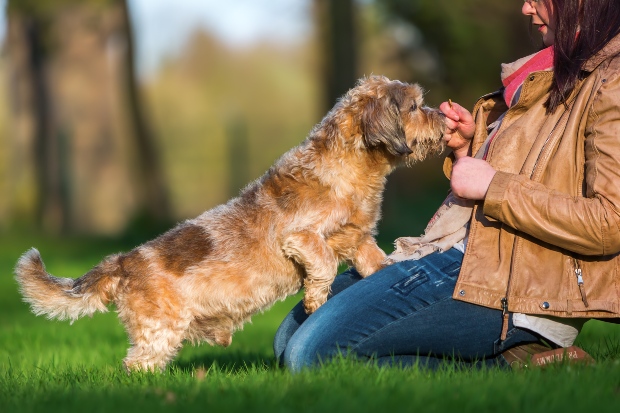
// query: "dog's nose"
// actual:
[[402, 149]]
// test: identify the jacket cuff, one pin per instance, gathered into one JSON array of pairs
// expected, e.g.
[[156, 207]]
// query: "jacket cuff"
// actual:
[[492, 206], [447, 164]]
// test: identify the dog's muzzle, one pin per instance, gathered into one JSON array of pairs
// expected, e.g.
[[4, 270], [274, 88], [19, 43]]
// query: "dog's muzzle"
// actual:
[[402, 149]]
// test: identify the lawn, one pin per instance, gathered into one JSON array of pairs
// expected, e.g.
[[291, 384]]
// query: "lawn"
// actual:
[[53, 366]]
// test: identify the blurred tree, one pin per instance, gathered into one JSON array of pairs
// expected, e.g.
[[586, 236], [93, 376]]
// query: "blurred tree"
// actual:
[[337, 37], [455, 47], [84, 158], [224, 114]]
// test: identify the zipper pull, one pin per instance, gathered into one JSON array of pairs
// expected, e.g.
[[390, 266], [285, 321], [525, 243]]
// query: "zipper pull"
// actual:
[[505, 317], [582, 289]]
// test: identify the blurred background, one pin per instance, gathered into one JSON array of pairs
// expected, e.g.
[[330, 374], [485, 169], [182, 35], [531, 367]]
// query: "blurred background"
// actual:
[[121, 117]]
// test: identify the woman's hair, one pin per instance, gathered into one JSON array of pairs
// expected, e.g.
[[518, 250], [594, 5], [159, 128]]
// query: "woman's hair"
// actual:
[[596, 22]]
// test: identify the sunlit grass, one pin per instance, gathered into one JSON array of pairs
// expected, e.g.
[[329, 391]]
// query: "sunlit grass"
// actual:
[[53, 366]]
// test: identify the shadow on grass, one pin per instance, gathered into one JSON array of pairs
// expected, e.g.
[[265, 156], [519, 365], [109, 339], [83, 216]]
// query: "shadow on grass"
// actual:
[[237, 362]]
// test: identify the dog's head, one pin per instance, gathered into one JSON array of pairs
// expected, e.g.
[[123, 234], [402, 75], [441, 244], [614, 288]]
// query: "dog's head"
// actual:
[[390, 116]]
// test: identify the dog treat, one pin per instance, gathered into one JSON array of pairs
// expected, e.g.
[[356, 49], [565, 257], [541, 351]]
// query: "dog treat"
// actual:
[[450, 103]]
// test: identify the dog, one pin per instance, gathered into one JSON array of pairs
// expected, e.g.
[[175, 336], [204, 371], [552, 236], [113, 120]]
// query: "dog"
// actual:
[[316, 207]]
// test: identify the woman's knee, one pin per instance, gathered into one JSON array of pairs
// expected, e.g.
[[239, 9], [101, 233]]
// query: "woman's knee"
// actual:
[[316, 340], [304, 350], [291, 323], [297, 317]]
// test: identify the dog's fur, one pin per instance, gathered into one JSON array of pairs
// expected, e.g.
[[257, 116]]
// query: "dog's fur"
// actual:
[[316, 207]]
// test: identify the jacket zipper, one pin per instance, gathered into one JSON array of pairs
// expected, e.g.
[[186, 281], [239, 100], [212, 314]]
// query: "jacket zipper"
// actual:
[[582, 288], [505, 317], [542, 150], [504, 300], [533, 176]]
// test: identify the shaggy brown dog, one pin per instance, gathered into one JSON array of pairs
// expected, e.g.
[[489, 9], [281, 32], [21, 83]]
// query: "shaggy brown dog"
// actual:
[[316, 207]]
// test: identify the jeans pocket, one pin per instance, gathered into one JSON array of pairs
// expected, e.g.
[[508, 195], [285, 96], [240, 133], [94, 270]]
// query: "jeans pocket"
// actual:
[[407, 285]]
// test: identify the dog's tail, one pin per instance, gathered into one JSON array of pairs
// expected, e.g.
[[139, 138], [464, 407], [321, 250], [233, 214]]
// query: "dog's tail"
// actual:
[[66, 298]]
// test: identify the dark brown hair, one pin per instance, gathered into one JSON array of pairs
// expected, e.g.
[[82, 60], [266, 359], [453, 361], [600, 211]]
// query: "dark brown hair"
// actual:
[[582, 29]]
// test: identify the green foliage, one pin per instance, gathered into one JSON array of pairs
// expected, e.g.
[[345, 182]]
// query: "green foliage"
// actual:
[[50, 366], [211, 100], [469, 38]]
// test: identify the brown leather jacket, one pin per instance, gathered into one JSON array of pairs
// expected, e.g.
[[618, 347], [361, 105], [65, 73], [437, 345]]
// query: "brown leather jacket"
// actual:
[[553, 208]]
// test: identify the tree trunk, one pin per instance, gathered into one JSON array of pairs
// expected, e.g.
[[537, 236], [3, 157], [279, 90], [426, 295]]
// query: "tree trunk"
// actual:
[[157, 205], [84, 158], [337, 36]]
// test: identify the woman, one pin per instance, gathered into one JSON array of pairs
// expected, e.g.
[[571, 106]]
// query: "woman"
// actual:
[[535, 179]]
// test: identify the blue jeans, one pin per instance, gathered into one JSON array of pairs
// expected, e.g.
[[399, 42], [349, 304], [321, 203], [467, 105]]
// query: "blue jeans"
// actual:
[[403, 314]]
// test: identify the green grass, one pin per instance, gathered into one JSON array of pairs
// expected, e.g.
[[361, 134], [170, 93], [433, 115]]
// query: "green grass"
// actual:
[[52, 366]]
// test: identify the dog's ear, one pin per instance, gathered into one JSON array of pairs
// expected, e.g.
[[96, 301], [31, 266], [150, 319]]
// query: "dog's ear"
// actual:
[[381, 123]]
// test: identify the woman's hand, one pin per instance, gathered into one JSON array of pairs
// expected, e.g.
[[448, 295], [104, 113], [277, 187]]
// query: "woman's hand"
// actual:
[[471, 178], [459, 128]]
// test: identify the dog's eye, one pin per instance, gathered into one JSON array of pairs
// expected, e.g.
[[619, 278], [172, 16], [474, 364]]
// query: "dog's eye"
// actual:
[[414, 107]]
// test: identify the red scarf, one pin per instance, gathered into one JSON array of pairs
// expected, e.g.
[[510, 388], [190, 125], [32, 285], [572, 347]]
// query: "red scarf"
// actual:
[[543, 60]]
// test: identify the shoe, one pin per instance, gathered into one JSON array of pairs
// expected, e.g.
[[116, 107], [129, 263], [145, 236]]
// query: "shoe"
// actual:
[[537, 355]]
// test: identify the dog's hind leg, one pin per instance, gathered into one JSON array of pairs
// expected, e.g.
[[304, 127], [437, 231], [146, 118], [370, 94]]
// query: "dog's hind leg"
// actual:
[[368, 257], [152, 346], [156, 325], [320, 262], [213, 330]]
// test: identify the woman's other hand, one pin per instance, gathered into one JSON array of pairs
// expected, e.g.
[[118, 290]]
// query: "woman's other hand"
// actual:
[[459, 128], [471, 178]]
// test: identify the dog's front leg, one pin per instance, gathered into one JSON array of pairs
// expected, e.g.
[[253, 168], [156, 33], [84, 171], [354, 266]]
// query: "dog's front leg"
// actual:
[[319, 261], [368, 257]]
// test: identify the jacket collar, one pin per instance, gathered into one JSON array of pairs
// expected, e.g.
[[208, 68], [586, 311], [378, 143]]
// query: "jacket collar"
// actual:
[[612, 48]]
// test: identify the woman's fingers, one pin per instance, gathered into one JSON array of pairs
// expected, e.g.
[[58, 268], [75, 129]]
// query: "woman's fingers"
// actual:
[[451, 125], [449, 111]]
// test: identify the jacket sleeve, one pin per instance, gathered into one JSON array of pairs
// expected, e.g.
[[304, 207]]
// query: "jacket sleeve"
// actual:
[[588, 225]]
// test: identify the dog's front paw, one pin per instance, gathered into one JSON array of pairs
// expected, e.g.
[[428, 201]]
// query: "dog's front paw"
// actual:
[[310, 306], [369, 270]]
